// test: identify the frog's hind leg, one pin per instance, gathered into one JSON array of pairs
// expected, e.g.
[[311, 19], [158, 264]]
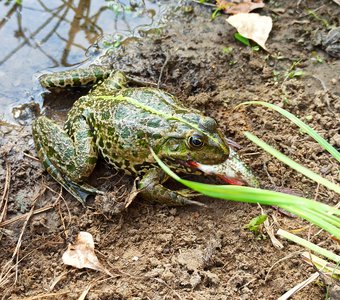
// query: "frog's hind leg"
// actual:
[[75, 78], [68, 160], [116, 80]]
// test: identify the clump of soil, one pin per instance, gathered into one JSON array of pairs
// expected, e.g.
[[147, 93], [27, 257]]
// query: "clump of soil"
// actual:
[[160, 252]]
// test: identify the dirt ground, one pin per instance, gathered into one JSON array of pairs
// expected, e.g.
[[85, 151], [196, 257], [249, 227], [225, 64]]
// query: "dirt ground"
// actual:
[[159, 252]]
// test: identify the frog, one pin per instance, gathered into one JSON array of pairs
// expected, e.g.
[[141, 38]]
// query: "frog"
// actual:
[[121, 123]]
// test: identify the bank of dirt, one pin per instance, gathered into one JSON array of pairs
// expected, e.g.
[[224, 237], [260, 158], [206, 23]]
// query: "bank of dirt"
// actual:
[[158, 252]]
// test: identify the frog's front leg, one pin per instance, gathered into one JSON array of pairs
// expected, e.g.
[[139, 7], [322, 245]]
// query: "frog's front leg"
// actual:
[[69, 159], [151, 188]]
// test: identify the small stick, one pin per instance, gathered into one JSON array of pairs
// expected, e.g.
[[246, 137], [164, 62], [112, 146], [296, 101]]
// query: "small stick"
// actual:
[[299, 286], [31, 156], [18, 218], [4, 199], [162, 70], [17, 248]]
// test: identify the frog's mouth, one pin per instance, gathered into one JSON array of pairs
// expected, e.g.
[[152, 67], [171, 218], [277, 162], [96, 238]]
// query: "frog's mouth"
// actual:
[[211, 170], [232, 171]]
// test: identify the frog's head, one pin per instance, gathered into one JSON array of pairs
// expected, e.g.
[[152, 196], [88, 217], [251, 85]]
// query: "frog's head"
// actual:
[[200, 146], [199, 141]]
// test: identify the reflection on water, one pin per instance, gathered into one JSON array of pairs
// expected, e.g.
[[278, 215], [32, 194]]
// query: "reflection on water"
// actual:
[[41, 34]]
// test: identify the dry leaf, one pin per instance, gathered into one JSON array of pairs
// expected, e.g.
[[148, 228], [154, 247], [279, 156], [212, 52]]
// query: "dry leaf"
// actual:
[[81, 254], [235, 7], [252, 26], [337, 1]]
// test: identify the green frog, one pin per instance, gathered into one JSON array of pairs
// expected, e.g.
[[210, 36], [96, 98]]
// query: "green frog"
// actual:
[[121, 124]]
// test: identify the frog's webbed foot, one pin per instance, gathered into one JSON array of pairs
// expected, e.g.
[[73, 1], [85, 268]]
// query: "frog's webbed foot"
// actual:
[[68, 161], [152, 189], [80, 192]]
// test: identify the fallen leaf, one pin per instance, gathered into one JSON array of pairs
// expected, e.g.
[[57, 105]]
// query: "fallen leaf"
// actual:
[[337, 1], [252, 26], [81, 254], [235, 7]]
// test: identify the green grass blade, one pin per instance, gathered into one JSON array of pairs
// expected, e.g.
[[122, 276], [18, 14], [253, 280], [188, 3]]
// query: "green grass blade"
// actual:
[[291, 163], [310, 131], [314, 217], [327, 217], [309, 245], [310, 210]]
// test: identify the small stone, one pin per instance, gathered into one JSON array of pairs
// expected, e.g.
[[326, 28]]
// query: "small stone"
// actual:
[[212, 278], [165, 237], [154, 273], [173, 211], [191, 259], [195, 280], [154, 262], [168, 276]]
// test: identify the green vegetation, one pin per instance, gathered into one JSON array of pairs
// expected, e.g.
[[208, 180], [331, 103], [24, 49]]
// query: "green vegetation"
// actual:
[[242, 39], [303, 126], [294, 71], [313, 14], [313, 211], [227, 50], [216, 13], [322, 251], [255, 224]]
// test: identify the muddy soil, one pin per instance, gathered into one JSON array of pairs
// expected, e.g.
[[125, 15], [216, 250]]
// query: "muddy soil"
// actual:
[[159, 252]]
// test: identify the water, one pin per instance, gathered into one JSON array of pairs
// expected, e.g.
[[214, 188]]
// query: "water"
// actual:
[[38, 35]]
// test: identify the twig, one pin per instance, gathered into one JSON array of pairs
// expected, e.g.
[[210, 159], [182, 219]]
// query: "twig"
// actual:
[[204, 3], [299, 286], [18, 218], [167, 56], [45, 296], [17, 248], [270, 231], [60, 213], [325, 89], [169, 287], [7, 268], [4, 199], [30, 156], [279, 261]]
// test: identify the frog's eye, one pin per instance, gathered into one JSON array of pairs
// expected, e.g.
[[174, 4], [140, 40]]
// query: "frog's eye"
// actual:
[[196, 141]]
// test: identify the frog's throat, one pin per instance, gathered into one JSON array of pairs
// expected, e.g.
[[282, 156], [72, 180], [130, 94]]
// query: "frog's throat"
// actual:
[[167, 116]]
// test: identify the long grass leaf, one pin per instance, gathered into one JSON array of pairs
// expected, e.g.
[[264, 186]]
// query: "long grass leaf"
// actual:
[[291, 163], [310, 131], [314, 218], [310, 210], [309, 245]]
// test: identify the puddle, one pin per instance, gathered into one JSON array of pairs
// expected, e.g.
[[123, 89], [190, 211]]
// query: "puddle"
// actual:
[[42, 35]]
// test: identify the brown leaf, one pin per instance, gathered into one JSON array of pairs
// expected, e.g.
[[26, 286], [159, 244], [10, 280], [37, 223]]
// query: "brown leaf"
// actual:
[[252, 26], [81, 254], [236, 7]]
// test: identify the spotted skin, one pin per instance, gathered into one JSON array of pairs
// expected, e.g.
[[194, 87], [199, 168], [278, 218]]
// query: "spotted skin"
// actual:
[[121, 124], [72, 78]]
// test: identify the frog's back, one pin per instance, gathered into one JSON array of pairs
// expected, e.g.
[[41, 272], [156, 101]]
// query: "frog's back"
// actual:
[[127, 123]]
